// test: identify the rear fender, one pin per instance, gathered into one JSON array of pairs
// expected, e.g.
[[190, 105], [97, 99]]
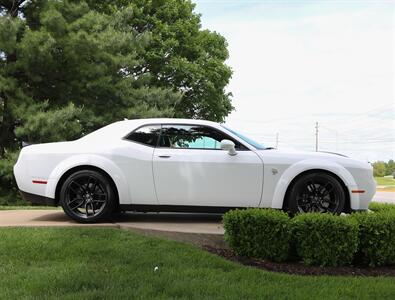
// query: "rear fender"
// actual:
[[89, 160]]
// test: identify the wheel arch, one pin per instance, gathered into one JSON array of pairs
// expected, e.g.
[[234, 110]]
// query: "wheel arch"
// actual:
[[301, 168], [94, 162], [80, 168], [347, 204]]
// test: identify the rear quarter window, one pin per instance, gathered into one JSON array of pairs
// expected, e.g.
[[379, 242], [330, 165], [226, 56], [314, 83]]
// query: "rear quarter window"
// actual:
[[146, 135]]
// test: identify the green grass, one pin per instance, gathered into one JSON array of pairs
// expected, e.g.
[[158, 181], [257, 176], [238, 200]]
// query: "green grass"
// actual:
[[25, 207], [381, 207], [98, 263], [386, 181]]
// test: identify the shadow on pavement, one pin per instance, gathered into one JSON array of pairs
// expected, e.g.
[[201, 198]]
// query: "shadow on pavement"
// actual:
[[166, 217]]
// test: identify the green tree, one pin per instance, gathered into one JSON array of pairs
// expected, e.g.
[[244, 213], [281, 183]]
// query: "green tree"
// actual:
[[390, 167], [379, 168], [114, 59], [66, 70], [180, 55], [77, 56]]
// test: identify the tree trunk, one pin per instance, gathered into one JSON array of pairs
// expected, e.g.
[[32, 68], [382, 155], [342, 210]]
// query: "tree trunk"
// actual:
[[12, 7]]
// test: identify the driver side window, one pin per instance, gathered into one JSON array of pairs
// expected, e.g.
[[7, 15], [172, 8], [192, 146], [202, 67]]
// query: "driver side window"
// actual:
[[193, 137]]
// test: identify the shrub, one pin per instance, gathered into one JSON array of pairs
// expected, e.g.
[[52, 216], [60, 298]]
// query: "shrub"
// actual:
[[8, 191], [325, 239], [376, 236], [260, 233], [381, 207]]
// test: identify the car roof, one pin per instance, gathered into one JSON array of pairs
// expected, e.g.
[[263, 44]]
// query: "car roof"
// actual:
[[170, 121], [122, 128]]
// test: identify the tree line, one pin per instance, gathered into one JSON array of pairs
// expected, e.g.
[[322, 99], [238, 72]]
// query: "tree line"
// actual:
[[381, 168]]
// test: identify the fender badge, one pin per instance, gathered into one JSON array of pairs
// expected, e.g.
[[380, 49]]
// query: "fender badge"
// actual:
[[274, 171]]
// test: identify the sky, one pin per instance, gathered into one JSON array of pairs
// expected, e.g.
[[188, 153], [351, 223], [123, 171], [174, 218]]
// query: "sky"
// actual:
[[296, 63]]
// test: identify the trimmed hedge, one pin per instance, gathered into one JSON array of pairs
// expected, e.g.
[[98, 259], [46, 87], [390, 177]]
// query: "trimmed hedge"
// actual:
[[325, 239], [317, 239], [381, 207], [376, 237], [259, 233]]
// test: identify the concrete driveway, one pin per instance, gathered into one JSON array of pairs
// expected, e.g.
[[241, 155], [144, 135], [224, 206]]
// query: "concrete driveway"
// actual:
[[175, 222], [197, 229]]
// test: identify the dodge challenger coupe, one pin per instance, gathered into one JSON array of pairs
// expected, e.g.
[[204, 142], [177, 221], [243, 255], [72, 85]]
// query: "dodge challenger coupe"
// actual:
[[185, 166]]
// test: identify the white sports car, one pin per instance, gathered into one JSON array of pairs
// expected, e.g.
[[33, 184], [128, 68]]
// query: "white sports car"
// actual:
[[188, 166]]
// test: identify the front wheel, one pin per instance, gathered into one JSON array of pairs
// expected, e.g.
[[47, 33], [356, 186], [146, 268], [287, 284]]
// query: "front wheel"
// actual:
[[87, 196], [316, 192]]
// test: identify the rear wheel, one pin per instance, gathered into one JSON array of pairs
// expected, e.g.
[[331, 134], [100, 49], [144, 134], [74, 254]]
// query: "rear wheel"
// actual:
[[87, 196], [316, 192]]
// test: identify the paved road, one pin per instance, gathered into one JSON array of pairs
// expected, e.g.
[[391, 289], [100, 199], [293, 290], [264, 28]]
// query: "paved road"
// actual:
[[388, 197]]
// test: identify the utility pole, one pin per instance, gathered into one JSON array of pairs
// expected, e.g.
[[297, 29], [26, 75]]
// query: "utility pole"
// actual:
[[277, 140], [316, 136]]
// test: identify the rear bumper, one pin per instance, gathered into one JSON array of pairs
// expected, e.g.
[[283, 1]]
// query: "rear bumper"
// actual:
[[37, 199]]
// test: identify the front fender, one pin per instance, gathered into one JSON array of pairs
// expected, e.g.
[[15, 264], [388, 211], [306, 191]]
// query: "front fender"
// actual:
[[89, 160], [312, 164]]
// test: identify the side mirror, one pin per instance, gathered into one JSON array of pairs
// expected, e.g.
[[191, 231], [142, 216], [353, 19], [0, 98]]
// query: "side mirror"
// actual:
[[228, 146]]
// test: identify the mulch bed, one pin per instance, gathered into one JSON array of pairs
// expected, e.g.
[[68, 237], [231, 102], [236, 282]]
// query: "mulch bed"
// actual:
[[301, 269]]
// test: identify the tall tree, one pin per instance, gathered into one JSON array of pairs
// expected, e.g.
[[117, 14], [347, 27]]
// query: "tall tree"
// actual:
[[180, 54], [74, 65]]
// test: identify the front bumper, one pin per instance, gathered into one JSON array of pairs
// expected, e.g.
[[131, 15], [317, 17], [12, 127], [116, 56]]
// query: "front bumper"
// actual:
[[37, 199], [364, 181]]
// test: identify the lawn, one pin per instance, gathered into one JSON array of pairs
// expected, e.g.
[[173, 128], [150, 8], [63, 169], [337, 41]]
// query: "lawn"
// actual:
[[386, 181], [97, 263]]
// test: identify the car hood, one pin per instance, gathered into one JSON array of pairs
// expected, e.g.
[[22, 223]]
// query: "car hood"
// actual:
[[291, 157]]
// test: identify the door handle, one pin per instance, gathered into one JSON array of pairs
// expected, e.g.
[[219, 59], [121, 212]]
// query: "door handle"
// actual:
[[164, 156]]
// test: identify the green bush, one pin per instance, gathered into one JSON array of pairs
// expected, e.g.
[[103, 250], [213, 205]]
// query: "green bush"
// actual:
[[325, 239], [8, 191], [376, 236], [381, 207], [318, 239], [260, 233]]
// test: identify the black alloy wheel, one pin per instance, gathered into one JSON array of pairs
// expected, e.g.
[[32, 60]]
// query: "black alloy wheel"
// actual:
[[87, 196], [316, 192]]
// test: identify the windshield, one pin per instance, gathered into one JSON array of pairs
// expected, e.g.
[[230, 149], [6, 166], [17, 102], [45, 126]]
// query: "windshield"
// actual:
[[246, 139]]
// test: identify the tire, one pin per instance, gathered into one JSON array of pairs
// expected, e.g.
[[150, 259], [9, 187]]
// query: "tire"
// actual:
[[316, 192], [87, 196]]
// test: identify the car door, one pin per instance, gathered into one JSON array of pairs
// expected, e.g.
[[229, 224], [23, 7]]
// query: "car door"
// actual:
[[134, 158], [190, 169]]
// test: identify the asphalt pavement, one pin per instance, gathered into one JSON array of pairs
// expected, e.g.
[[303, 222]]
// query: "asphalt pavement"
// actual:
[[388, 197]]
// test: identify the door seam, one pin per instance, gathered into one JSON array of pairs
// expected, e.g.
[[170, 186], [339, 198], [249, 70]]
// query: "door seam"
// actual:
[[153, 175]]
